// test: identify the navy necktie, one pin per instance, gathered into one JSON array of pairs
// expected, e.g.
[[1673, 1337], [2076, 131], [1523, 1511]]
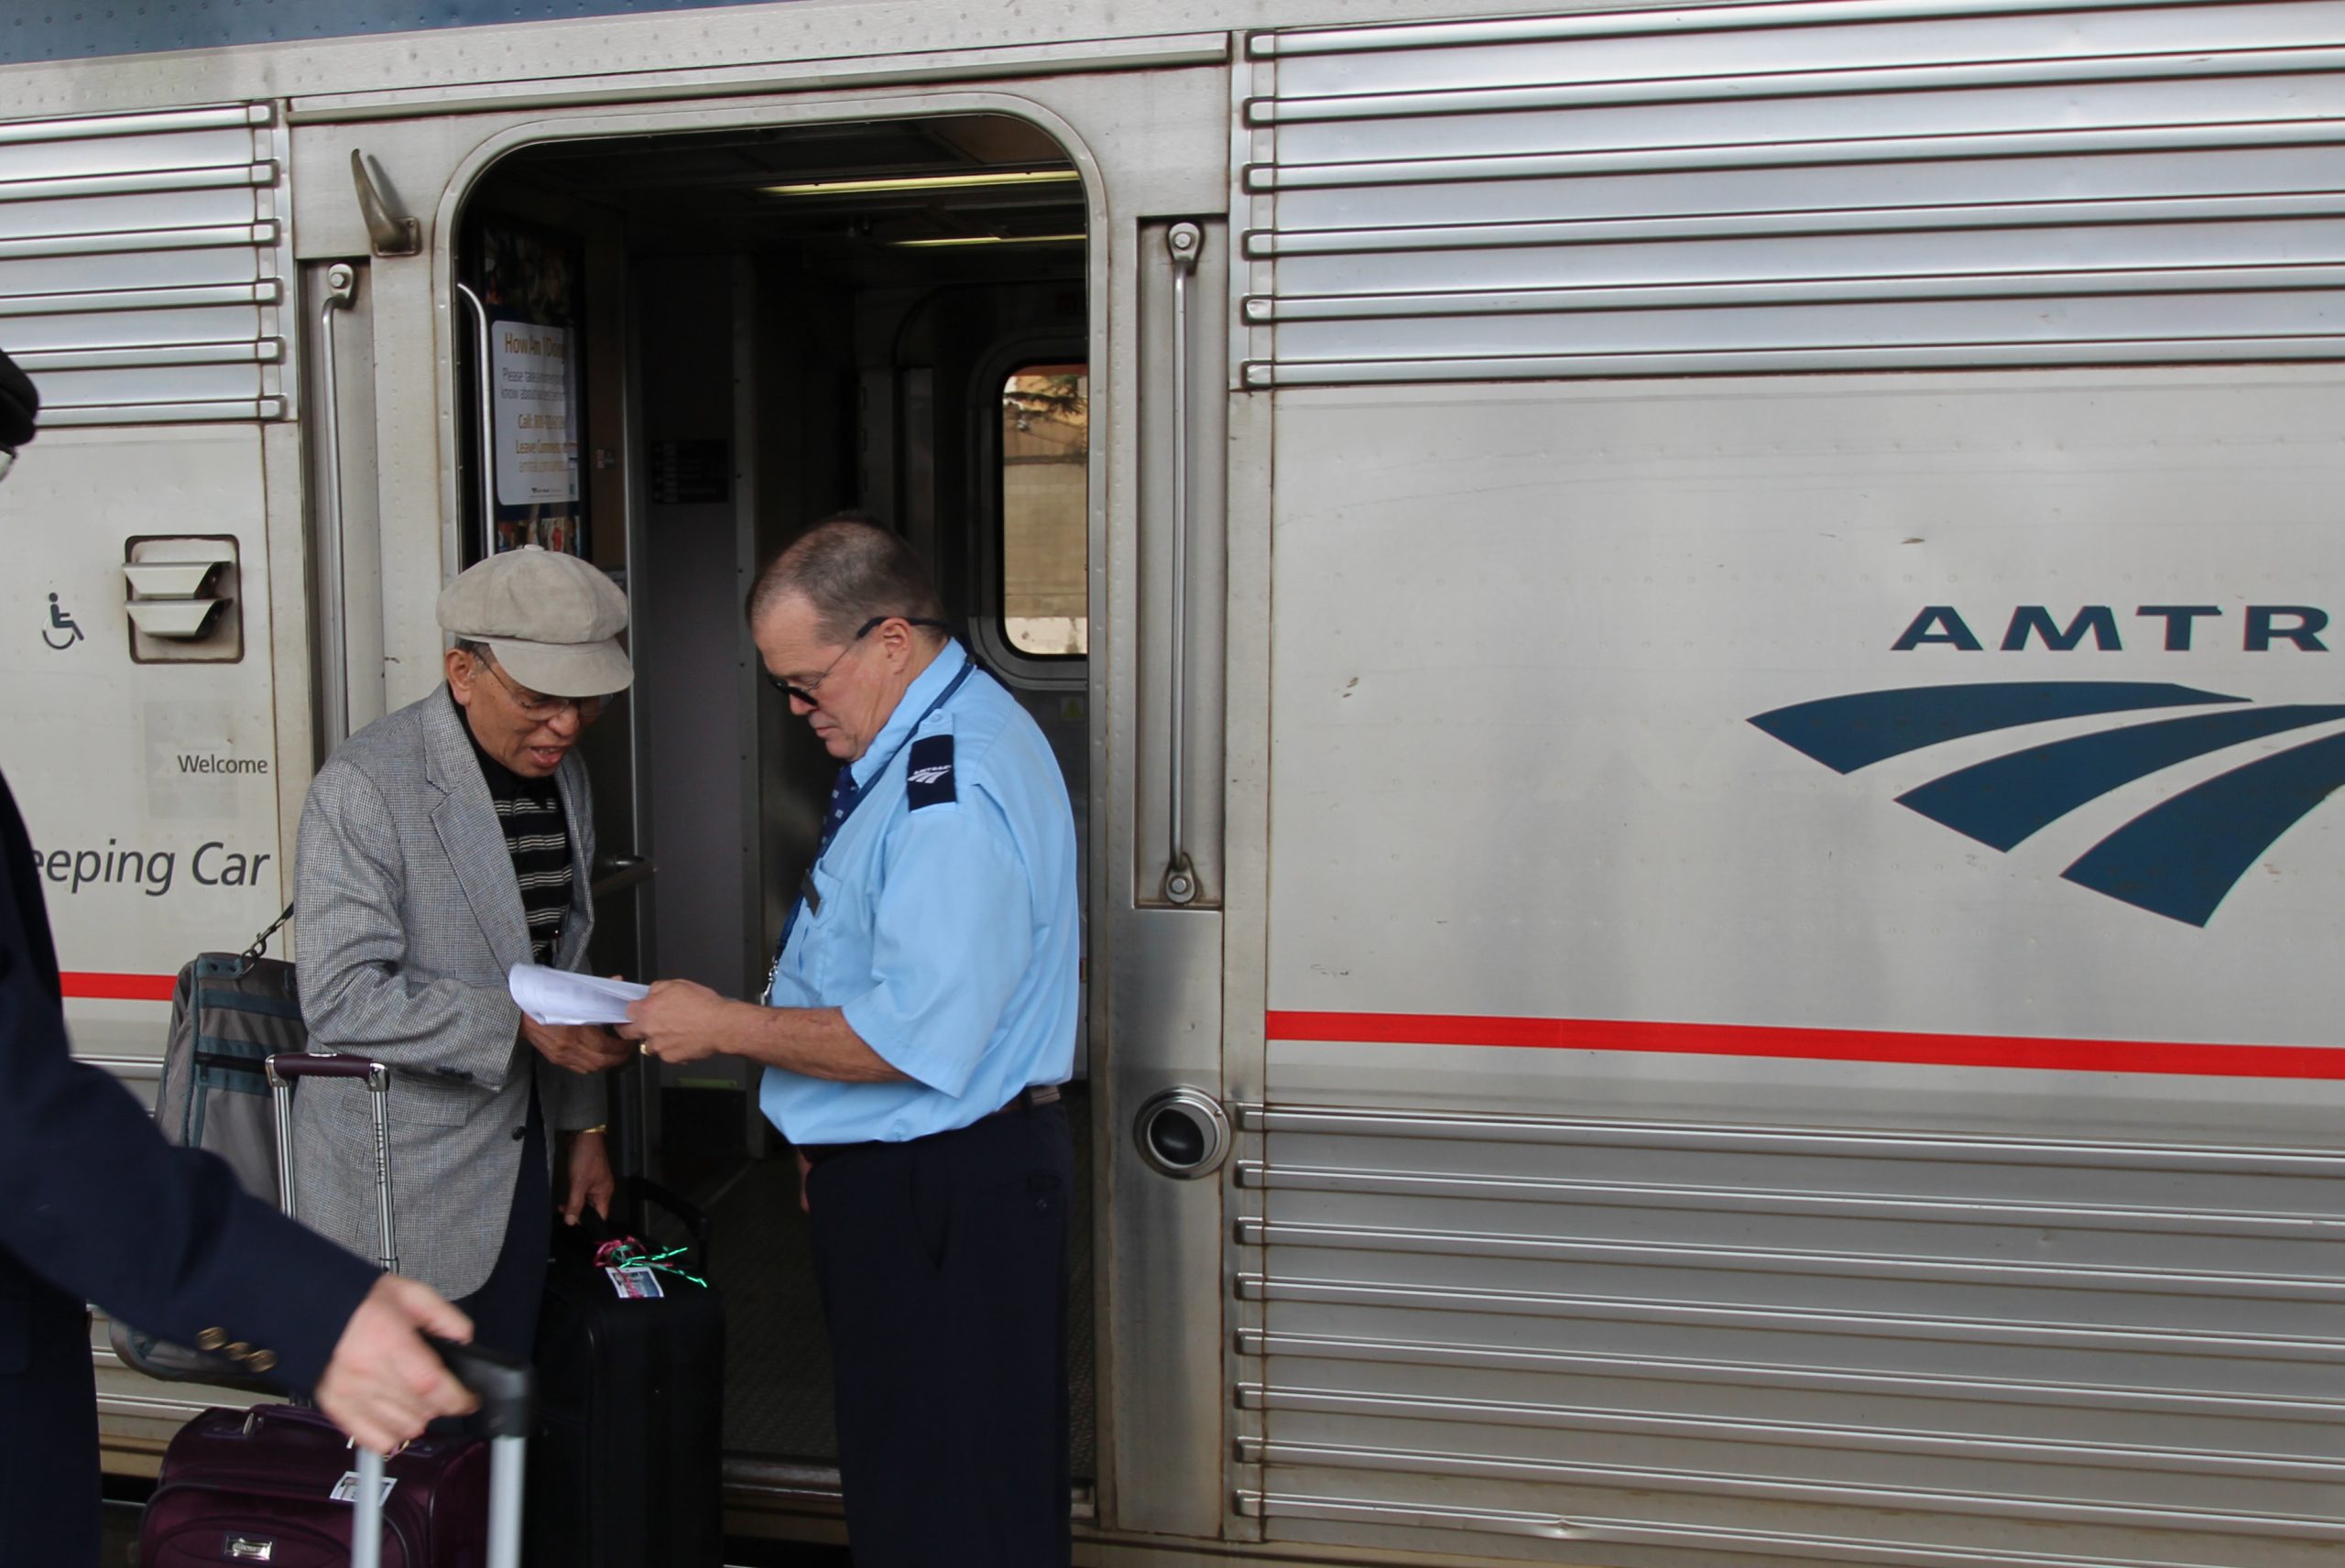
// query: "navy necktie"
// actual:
[[844, 797]]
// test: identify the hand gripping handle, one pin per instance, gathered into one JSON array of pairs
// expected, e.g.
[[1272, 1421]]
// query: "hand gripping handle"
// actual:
[[507, 1391], [595, 1230], [506, 1386]]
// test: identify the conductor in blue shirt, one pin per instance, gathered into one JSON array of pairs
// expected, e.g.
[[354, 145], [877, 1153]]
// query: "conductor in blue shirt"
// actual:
[[920, 1018]]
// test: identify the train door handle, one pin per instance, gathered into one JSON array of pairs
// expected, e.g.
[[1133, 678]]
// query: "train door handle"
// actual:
[[1184, 243], [333, 609], [487, 378]]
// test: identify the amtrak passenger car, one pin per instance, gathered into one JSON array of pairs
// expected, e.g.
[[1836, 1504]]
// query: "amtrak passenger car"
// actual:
[[1699, 649]]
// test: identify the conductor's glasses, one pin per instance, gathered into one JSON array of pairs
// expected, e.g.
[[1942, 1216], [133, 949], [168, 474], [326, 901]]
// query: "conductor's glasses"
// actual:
[[804, 691]]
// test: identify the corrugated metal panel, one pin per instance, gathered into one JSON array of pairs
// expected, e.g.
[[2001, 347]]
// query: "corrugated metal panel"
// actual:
[[1863, 184], [1664, 1342], [140, 265], [54, 30]]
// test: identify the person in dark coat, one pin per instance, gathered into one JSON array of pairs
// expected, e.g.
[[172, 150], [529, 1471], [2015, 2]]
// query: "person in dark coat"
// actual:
[[94, 1205]]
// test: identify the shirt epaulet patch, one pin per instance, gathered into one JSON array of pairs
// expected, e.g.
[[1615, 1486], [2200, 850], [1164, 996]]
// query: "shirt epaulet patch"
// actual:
[[928, 777]]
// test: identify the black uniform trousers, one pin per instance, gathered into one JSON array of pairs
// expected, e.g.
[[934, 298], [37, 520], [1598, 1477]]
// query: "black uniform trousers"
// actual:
[[943, 1267]]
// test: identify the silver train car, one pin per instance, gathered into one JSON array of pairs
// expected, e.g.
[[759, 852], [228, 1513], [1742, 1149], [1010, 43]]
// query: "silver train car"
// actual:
[[1694, 644]]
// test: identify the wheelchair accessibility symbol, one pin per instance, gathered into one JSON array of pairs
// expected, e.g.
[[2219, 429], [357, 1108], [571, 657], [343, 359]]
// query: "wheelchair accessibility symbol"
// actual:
[[61, 624]]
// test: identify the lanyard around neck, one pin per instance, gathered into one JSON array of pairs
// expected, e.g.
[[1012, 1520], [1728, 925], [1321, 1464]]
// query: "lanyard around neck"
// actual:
[[830, 826], [860, 790]]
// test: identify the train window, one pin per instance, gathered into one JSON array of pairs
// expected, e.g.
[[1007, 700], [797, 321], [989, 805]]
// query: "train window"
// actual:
[[1045, 513]]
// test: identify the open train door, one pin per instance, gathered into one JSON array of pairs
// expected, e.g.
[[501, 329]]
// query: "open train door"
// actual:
[[740, 363]]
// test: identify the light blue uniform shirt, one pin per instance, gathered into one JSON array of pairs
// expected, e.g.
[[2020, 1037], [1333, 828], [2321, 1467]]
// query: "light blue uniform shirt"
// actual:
[[949, 934]]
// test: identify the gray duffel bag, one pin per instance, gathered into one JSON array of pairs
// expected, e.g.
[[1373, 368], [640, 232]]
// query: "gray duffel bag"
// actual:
[[229, 1013]]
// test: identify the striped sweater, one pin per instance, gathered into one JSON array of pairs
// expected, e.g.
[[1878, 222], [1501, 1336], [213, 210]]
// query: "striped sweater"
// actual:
[[537, 836]]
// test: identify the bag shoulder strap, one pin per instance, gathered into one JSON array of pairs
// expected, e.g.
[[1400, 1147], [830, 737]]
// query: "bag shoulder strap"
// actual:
[[260, 943]]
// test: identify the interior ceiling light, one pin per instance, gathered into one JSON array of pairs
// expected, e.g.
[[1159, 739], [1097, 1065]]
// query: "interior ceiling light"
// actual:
[[902, 184], [991, 240]]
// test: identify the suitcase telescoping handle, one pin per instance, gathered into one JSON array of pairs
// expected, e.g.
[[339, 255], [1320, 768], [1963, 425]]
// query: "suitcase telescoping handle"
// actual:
[[508, 1409], [288, 1068]]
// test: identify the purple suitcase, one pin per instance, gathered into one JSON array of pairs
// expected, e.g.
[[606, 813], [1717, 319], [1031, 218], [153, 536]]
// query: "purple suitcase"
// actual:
[[272, 1485], [281, 1485]]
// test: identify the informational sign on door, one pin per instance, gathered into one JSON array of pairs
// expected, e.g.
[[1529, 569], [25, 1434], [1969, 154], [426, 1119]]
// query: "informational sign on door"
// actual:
[[537, 438]]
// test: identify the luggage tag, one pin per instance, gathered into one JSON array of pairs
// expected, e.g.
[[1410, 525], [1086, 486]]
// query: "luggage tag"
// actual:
[[635, 1281], [346, 1489]]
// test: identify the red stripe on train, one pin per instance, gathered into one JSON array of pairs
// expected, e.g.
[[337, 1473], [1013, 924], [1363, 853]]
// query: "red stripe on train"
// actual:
[[2048, 1055], [117, 987]]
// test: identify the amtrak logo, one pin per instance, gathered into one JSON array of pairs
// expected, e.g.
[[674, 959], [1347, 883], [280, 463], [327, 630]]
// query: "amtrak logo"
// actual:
[[928, 775], [2177, 859]]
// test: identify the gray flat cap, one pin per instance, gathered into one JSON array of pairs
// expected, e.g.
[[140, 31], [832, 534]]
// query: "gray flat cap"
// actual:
[[551, 620]]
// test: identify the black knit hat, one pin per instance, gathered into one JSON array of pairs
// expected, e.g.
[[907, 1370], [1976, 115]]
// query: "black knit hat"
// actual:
[[19, 404]]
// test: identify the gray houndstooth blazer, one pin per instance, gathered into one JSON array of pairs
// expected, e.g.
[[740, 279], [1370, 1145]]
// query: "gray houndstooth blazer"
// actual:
[[408, 917]]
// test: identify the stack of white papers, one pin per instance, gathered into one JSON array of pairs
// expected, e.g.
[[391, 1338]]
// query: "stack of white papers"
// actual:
[[557, 996]]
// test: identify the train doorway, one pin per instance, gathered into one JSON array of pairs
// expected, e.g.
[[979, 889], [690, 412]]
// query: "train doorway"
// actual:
[[974, 310], [740, 332]]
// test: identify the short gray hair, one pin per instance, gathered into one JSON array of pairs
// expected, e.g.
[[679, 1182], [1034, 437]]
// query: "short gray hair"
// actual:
[[851, 572]]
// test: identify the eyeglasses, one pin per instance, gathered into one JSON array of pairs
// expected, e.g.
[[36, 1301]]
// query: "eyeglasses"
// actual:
[[544, 710], [804, 692]]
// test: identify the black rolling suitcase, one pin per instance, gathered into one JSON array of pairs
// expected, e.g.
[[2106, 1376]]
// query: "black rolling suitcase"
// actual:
[[624, 1469]]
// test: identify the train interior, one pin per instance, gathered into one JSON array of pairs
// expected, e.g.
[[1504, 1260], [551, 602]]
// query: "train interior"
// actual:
[[746, 330]]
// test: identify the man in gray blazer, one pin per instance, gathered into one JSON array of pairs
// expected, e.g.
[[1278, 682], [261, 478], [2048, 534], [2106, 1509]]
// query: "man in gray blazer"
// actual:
[[441, 845]]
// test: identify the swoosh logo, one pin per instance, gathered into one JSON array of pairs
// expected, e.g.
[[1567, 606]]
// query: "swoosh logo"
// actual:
[[2178, 859]]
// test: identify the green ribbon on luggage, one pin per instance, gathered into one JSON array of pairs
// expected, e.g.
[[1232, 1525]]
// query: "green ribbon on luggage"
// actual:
[[629, 1253]]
